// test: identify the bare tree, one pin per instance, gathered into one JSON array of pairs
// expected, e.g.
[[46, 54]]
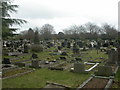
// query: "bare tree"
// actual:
[[110, 31], [75, 31], [92, 28], [27, 34], [46, 31]]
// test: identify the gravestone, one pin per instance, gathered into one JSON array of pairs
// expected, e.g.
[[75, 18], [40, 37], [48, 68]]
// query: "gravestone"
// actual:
[[104, 71], [112, 56], [79, 67], [5, 52], [34, 56], [25, 48], [49, 44], [63, 44], [105, 44], [80, 44], [75, 49], [6, 61], [35, 63], [22, 64], [63, 58], [64, 53], [47, 62], [84, 48], [78, 59], [59, 47], [11, 50], [68, 44], [19, 50]]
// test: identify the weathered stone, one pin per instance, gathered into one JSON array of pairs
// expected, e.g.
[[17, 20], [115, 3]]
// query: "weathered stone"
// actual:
[[21, 64], [79, 68], [75, 49], [35, 63], [68, 44], [104, 71], [25, 49], [112, 56]]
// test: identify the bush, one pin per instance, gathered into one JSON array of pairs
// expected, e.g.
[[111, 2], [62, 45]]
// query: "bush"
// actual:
[[36, 48]]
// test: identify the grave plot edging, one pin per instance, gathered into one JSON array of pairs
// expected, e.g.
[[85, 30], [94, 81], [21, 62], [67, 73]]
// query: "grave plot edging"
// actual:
[[84, 83], [108, 84], [66, 86], [20, 74], [111, 80], [116, 70]]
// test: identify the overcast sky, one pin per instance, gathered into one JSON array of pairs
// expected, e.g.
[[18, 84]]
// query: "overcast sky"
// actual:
[[64, 13]]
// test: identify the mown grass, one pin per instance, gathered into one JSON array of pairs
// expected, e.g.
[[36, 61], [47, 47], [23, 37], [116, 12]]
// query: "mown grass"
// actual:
[[93, 54], [38, 79], [118, 75], [116, 83]]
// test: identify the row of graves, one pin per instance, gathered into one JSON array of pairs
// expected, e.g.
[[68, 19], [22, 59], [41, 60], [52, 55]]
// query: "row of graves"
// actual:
[[70, 54]]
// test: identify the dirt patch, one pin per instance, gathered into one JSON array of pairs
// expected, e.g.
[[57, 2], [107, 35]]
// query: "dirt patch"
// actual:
[[96, 83]]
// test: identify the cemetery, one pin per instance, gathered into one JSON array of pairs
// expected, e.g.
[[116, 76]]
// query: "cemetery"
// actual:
[[78, 57], [86, 67]]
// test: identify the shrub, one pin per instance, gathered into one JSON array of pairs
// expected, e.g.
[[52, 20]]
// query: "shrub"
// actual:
[[36, 48]]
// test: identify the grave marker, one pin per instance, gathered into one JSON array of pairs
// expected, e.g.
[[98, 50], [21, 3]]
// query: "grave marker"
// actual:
[[79, 67], [6, 61], [104, 71], [35, 63]]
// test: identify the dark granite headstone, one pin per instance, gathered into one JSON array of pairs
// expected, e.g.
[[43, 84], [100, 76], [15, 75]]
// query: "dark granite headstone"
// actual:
[[34, 56], [78, 59], [64, 53], [63, 58], [6, 61], [59, 47], [68, 45]]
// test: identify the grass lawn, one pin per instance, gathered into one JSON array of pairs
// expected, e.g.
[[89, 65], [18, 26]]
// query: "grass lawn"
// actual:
[[94, 55], [118, 75], [38, 79], [116, 84]]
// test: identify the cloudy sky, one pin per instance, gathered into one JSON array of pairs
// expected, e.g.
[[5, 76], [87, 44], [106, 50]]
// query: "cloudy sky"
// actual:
[[64, 13]]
